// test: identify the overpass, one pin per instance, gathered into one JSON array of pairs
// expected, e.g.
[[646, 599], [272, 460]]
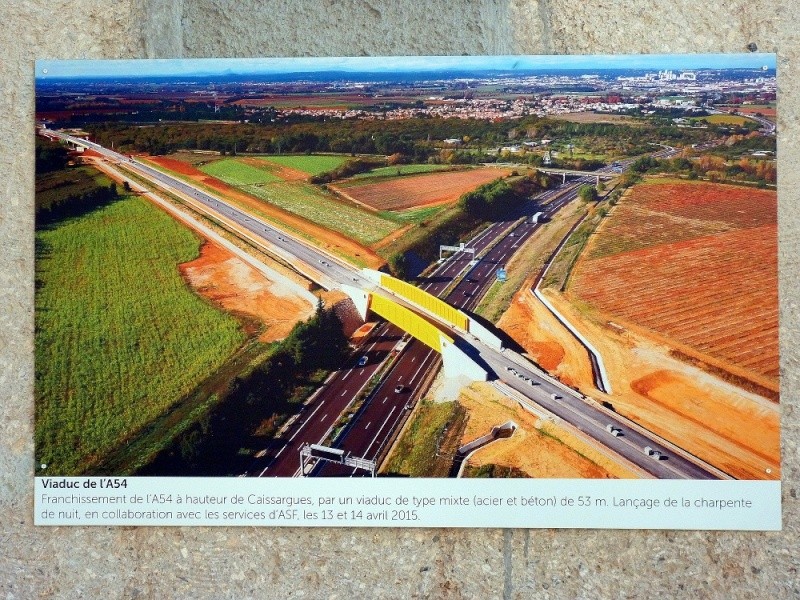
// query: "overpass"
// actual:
[[597, 175], [453, 333], [404, 311]]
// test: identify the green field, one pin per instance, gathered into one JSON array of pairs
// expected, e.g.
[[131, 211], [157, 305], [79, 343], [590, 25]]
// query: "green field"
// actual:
[[413, 215], [310, 164], [736, 120], [304, 199], [119, 336], [308, 201], [401, 170], [235, 172], [312, 203]]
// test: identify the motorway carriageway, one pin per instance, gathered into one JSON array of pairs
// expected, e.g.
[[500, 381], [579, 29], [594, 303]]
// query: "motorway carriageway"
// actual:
[[334, 272], [386, 407]]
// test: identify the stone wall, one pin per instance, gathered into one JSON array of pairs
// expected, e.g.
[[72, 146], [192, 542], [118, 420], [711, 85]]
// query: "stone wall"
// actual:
[[336, 563]]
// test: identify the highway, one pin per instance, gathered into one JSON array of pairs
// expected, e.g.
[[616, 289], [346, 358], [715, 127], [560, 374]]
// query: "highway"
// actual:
[[331, 272], [367, 433], [322, 411], [386, 407]]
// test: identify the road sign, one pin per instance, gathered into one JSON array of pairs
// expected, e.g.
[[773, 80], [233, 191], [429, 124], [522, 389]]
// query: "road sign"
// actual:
[[501, 275]]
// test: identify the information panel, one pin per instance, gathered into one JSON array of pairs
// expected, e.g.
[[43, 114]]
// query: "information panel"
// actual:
[[202, 227], [749, 505]]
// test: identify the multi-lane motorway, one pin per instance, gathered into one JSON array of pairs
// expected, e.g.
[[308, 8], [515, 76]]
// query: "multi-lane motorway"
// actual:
[[367, 435], [386, 406]]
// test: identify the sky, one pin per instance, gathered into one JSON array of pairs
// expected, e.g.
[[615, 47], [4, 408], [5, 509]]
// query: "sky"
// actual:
[[205, 66]]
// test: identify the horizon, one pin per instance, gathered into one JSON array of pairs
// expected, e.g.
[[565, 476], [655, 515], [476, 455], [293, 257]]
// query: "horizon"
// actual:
[[215, 67]]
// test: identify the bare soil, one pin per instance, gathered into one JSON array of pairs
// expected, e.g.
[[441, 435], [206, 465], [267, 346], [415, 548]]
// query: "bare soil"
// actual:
[[238, 288], [530, 450], [695, 263], [734, 430], [429, 189]]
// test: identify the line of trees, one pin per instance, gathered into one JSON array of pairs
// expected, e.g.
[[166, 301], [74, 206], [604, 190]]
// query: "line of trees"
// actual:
[[417, 138], [75, 205], [714, 167], [348, 169], [50, 156]]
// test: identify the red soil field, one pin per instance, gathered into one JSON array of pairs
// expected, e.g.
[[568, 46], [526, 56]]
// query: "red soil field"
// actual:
[[419, 190], [695, 264], [765, 111], [660, 213]]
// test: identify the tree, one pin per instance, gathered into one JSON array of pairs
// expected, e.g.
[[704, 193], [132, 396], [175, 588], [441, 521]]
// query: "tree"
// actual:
[[398, 265], [587, 193]]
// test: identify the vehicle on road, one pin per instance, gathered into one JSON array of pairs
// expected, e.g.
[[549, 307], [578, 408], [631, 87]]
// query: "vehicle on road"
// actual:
[[654, 454], [555, 396], [399, 389], [363, 360]]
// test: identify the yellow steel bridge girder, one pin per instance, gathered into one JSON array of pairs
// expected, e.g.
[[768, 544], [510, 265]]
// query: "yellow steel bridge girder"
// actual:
[[409, 321], [429, 302]]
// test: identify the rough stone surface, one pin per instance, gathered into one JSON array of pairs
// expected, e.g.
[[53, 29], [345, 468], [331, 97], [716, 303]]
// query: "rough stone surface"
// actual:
[[254, 563]]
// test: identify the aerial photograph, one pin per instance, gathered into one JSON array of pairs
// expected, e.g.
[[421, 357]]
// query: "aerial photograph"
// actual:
[[559, 267]]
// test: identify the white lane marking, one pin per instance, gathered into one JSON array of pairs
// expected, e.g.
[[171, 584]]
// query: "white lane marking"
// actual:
[[346, 375], [422, 366], [379, 430], [344, 392], [367, 425], [294, 435]]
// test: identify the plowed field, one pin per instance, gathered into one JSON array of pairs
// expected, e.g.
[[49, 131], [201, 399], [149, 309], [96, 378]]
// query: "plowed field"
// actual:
[[695, 264], [420, 190]]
